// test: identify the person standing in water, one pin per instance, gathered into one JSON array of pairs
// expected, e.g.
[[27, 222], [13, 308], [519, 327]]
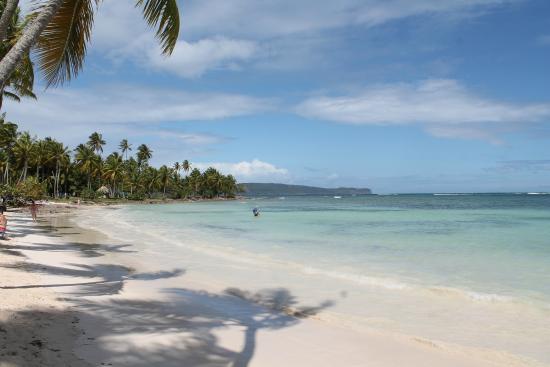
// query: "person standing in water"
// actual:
[[256, 212]]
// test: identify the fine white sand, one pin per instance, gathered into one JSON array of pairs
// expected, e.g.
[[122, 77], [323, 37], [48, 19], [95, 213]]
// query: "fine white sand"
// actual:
[[71, 297]]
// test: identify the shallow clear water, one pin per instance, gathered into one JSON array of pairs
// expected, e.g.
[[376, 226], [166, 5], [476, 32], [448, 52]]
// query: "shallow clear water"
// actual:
[[465, 269]]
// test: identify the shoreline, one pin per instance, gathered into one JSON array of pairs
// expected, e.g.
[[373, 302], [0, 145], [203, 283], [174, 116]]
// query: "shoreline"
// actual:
[[125, 309]]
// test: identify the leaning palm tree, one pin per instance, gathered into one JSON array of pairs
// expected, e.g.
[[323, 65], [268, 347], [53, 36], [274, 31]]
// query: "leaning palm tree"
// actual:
[[96, 142], [60, 31], [21, 81], [124, 147]]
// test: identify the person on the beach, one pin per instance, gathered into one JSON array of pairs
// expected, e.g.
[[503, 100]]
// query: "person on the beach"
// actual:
[[3, 222], [34, 210]]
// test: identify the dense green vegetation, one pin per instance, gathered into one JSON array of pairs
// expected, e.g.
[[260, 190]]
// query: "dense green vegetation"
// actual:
[[33, 168]]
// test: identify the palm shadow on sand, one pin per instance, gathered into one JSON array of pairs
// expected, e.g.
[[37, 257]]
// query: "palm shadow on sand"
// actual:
[[189, 318]]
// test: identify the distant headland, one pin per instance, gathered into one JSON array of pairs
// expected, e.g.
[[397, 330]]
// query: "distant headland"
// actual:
[[277, 189]]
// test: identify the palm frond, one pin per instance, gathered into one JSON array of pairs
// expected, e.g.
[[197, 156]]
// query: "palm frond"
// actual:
[[164, 15], [61, 48], [12, 96]]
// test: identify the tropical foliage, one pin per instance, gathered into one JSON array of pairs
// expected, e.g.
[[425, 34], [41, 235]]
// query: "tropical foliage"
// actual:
[[35, 167]]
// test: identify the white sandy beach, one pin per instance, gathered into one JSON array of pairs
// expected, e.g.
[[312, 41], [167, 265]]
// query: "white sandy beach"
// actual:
[[71, 297]]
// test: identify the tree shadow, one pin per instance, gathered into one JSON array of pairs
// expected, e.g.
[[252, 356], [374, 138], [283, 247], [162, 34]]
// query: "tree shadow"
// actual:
[[190, 319], [180, 330], [111, 276], [82, 248]]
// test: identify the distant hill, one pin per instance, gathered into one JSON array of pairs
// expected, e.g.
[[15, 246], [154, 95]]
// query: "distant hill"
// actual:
[[275, 189]]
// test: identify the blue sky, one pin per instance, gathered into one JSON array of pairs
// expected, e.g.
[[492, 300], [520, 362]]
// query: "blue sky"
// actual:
[[399, 96]]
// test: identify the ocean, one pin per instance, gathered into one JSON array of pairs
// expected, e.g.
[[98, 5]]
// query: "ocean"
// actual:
[[457, 270]]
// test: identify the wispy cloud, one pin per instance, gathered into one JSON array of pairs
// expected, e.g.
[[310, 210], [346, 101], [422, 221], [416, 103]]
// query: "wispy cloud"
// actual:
[[544, 40], [522, 165], [266, 19], [255, 170], [194, 139], [121, 103], [443, 107], [193, 59]]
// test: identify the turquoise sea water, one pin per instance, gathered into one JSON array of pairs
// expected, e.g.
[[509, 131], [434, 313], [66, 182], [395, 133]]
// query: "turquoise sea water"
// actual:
[[464, 269]]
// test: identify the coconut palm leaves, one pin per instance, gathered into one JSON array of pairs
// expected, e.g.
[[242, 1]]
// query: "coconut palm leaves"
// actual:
[[143, 155], [60, 31], [87, 162], [113, 170], [61, 47], [125, 147], [164, 15], [96, 142], [186, 166]]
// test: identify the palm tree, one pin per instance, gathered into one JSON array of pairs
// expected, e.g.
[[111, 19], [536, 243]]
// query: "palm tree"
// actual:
[[40, 156], [21, 81], [124, 147], [144, 154], [113, 170], [60, 154], [186, 166], [8, 133], [195, 181], [60, 31], [9, 9], [4, 165], [87, 161], [23, 151], [164, 177], [152, 179], [96, 142]]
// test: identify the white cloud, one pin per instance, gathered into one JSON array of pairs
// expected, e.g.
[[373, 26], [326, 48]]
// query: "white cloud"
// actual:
[[443, 107], [108, 104], [192, 59], [122, 35], [194, 139], [255, 170]]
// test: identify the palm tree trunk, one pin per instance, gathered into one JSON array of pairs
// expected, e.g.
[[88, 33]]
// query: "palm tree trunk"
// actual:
[[56, 180], [7, 174], [27, 40], [7, 15], [23, 176]]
